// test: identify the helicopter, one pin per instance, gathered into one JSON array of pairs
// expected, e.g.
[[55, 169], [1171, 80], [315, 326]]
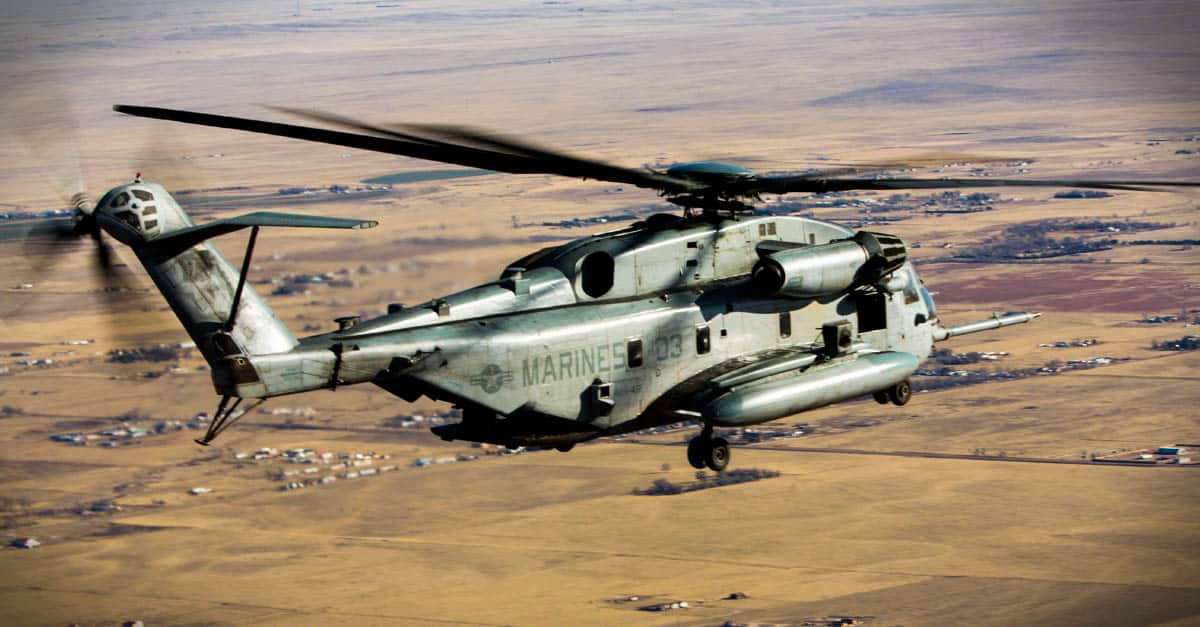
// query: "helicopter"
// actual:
[[716, 314]]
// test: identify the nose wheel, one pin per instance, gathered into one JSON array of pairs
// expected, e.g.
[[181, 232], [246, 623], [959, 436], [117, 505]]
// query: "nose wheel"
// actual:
[[705, 451]]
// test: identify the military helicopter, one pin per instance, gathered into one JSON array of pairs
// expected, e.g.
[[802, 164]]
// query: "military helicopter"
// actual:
[[714, 315]]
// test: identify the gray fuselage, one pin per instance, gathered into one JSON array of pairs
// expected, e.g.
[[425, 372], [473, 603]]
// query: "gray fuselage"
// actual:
[[609, 333]]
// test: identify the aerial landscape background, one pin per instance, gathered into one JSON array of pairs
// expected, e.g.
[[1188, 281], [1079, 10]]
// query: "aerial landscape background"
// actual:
[[893, 516]]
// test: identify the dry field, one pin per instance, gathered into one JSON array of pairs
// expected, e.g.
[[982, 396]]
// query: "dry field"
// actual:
[[1090, 88]]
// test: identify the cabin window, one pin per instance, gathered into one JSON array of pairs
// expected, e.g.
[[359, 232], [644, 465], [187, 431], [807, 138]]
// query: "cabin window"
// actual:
[[872, 312], [785, 324], [596, 274], [149, 210], [633, 352], [151, 224], [143, 195], [812, 239], [121, 200], [703, 340]]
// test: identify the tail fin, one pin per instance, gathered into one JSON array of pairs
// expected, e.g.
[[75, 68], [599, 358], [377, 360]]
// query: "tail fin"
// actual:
[[226, 319]]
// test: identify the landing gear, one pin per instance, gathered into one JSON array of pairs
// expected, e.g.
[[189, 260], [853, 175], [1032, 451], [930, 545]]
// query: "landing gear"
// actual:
[[718, 454], [696, 452], [563, 448], [897, 395], [224, 418], [900, 393], [705, 451]]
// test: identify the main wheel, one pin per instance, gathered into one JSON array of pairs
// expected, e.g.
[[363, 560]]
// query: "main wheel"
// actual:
[[697, 451], [881, 397], [718, 454], [563, 448], [900, 393]]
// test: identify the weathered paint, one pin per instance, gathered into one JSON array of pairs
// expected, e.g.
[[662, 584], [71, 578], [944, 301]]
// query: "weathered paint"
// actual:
[[535, 344]]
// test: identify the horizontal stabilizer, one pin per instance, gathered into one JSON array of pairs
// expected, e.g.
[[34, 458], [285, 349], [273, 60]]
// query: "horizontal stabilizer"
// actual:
[[186, 238]]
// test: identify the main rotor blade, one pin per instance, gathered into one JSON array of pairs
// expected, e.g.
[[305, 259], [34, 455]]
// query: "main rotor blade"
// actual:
[[809, 184], [341, 120], [411, 145], [563, 163], [549, 161]]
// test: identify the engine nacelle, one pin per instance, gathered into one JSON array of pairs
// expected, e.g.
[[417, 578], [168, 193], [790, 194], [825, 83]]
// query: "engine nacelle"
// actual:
[[812, 271]]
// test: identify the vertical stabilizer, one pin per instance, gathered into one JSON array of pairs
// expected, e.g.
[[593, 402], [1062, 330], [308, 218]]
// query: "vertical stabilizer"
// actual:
[[199, 284]]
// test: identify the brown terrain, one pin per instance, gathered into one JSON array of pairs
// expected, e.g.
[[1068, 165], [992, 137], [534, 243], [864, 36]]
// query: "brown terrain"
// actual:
[[894, 516]]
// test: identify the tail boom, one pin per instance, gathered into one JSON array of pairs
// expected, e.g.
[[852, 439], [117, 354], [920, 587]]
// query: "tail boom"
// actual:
[[229, 322]]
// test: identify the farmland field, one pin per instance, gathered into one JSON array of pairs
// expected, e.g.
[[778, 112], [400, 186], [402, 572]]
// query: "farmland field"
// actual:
[[1090, 89]]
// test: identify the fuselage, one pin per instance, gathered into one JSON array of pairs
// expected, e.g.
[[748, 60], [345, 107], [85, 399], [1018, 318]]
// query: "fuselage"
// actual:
[[609, 333], [727, 320]]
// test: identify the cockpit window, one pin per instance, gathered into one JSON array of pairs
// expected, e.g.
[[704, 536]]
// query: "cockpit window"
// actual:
[[121, 200], [143, 195], [910, 287], [928, 301]]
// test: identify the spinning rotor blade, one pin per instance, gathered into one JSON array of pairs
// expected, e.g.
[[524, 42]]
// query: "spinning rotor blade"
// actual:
[[53, 248], [513, 158], [815, 185], [50, 137], [723, 188], [105, 258], [545, 160], [39, 231], [62, 235], [928, 160]]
